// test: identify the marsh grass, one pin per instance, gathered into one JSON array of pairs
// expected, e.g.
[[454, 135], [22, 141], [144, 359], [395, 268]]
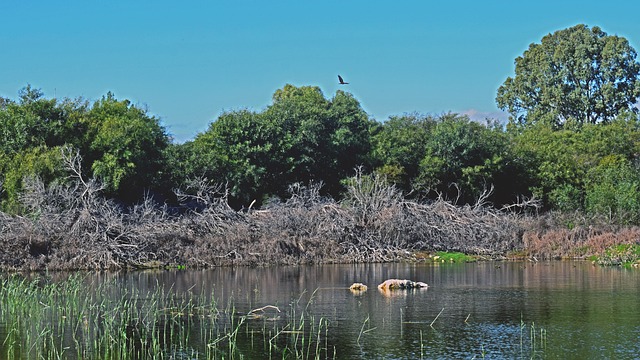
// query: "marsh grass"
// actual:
[[74, 319], [627, 255], [537, 340], [454, 257]]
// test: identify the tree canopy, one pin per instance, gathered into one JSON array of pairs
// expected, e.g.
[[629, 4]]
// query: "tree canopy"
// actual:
[[574, 76], [124, 146], [120, 144], [302, 136]]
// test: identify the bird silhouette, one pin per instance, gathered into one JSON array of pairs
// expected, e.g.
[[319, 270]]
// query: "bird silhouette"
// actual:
[[341, 81]]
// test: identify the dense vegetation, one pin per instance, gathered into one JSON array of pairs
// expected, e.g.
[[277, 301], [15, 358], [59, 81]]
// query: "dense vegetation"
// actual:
[[571, 145]]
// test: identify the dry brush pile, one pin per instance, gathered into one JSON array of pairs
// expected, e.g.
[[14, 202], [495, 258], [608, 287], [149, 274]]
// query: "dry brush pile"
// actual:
[[72, 226], [575, 235]]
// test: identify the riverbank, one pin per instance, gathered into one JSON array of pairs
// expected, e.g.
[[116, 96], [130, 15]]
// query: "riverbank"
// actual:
[[72, 229]]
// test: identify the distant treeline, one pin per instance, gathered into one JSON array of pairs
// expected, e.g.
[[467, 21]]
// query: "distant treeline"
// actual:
[[303, 137], [572, 142]]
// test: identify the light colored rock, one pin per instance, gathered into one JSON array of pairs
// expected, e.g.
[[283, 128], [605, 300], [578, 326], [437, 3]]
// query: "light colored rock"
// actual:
[[396, 284], [358, 287]]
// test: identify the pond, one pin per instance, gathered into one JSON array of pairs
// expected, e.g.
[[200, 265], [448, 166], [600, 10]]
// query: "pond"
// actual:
[[547, 310]]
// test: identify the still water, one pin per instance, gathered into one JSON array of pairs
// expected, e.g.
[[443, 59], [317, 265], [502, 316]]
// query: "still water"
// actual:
[[493, 310], [555, 309]]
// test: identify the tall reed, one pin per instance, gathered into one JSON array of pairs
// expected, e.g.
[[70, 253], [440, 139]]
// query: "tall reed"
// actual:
[[76, 319]]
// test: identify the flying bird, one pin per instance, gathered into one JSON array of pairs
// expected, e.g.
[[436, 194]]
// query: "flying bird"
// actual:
[[341, 81]]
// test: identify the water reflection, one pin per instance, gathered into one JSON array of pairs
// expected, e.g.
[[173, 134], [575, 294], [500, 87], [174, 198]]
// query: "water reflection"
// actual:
[[584, 309], [493, 309]]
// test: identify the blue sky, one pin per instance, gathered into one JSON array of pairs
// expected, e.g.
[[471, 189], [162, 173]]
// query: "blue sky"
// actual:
[[188, 61]]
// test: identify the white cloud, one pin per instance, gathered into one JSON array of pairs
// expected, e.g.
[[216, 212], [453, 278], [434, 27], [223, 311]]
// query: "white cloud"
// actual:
[[482, 116]]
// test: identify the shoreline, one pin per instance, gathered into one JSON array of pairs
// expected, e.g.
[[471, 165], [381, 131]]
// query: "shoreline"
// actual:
[[74, 228]]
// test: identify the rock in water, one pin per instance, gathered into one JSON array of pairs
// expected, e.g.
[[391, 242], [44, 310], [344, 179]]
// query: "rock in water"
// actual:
[[396, 284], [358, 287]]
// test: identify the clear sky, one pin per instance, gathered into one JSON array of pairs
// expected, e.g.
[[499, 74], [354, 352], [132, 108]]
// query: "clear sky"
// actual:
[[188, 61]]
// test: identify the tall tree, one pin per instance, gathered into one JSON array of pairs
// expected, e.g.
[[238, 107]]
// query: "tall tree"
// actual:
[[126, 147], [302, 136], [399, 146], [462, 159], [31, 130], [232, 151], [574, 76]]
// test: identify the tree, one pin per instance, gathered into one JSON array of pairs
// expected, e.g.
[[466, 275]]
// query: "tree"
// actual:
[[233, 151], [399, 146], [299, 130], [301, 137], [613, 189], [31, 132], [462, 159], [560, 163], [574, 76], [4, 102], [39, 162], [124, 147], [350, 141]]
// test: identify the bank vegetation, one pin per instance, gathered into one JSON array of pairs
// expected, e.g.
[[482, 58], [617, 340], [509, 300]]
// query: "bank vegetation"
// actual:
[[315, 179], [73, 226]]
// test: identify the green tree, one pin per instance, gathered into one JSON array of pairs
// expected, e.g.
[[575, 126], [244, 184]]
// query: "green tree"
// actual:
[[613, 189], [4, 102], [399, 146], [298, 129], [124, 147], [37, 121], [33, 121], [119, 143], [350, 142], [300, 137], [558, 162], [233, 151], [462, 159], [39, 162], [553, 162], [574, 76], [31, 132]]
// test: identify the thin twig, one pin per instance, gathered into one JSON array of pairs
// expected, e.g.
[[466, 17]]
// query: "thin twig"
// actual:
[[437, 316]]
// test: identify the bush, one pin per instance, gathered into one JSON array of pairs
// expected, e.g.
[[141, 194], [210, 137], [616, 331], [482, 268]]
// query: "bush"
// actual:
[[613, 189]]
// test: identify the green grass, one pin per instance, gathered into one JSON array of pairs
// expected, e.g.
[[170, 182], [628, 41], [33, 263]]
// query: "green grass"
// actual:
[[75, 319], [626, 255], [452, 257]]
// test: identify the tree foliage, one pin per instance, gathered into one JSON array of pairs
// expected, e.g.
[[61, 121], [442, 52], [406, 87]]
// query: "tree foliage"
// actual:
[[120, 144], [41, 162], [462, 158], [613, 188], [399, 147], [559, 163], [574, 76], [300, 137], [125, 146]]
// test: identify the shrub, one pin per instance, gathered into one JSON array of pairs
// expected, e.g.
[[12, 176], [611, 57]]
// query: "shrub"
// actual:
[[613, 189]]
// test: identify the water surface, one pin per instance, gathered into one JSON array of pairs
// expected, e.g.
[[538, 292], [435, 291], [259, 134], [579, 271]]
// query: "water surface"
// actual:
[[554, 309], [546, 310]]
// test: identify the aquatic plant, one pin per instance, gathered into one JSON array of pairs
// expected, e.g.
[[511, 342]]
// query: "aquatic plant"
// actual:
[[43, 319]]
